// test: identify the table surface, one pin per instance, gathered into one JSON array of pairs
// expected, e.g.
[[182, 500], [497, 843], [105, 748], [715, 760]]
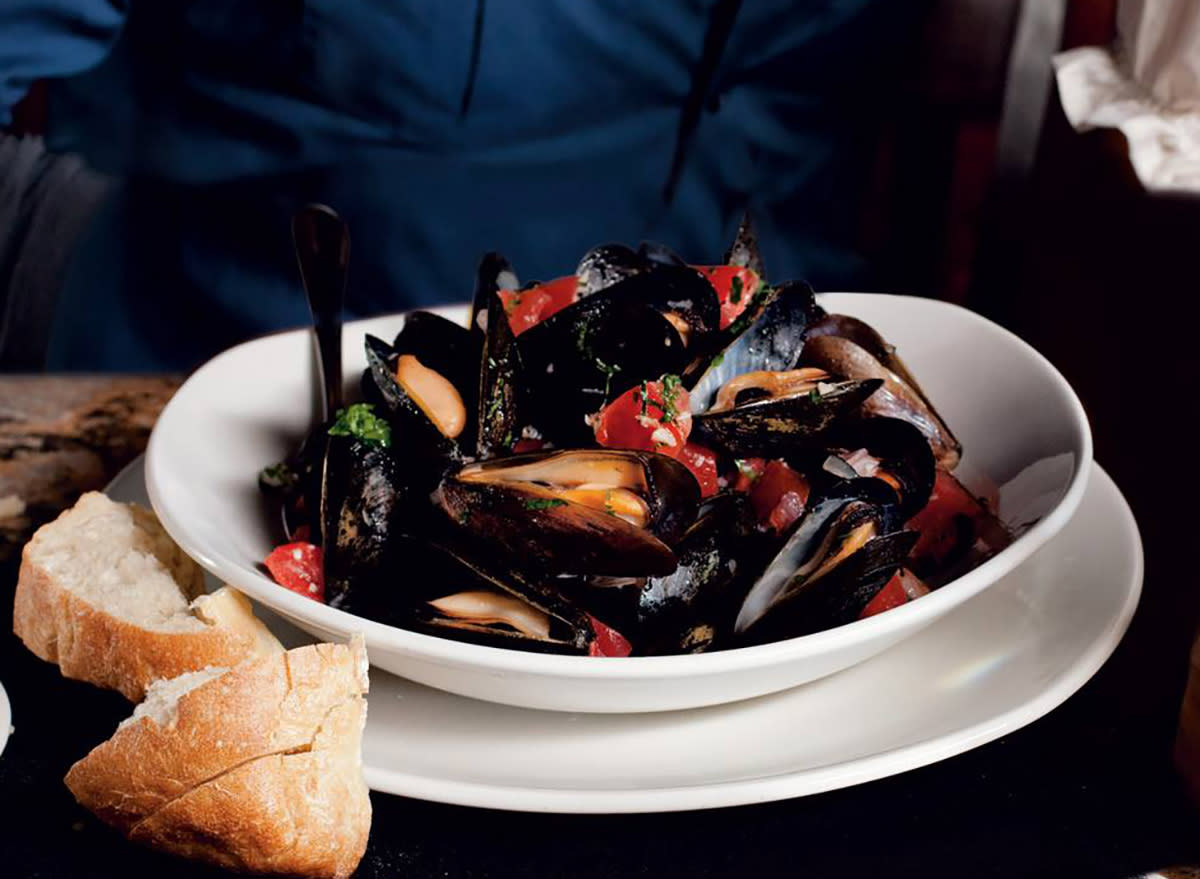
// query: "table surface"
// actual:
[[1088, 790]]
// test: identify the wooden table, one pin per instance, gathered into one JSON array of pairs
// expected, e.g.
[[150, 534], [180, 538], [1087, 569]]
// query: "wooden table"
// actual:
[[1087, 791]]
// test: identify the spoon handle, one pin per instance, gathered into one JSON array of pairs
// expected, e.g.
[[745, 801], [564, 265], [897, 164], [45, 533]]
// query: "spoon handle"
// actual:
[[323, 251]]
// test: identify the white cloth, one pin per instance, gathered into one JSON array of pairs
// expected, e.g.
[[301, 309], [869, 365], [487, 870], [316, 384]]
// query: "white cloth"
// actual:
[[1147, 85]]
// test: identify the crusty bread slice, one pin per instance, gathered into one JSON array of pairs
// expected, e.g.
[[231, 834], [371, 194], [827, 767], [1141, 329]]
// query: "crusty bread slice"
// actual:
[[258, 768], [106, 594]]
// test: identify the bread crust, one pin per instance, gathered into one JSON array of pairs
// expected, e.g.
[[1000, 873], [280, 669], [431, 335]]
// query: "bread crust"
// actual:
[[92, 645], [259, 770]]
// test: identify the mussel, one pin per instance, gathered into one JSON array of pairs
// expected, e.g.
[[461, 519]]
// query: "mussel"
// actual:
[[843, 550], [744, 250], [775, 413], [493, 604], [595, 511], [607, 264], [500, 373], [427, 411], [897, 398], [361, 500]]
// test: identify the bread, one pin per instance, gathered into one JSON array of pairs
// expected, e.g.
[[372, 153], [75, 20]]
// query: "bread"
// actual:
[[257, 768], [106, 594]]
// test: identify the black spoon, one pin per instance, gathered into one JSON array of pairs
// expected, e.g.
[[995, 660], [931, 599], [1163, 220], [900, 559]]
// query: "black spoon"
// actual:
[[323, 250]]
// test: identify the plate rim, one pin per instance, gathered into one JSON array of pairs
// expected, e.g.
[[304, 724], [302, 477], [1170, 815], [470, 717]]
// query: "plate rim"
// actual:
[[465, 655]]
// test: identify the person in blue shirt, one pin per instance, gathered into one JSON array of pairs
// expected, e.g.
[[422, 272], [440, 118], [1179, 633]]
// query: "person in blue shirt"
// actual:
[[440, 129]]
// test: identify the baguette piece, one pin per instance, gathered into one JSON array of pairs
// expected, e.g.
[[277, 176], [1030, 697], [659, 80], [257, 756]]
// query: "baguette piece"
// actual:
[[106, 594], [257, 768]]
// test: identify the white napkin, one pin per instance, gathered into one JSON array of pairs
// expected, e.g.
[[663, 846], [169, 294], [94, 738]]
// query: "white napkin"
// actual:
[[1148, 87]]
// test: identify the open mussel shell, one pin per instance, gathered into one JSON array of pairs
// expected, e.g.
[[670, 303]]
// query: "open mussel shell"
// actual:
[[582, 357], [419, 439], [782, 425], [895, 399], [492, 604], [602, 512], [495, 272], [442, 345], [843, 550], [768, 337], [889, 449], [361, 500], [500, 375]]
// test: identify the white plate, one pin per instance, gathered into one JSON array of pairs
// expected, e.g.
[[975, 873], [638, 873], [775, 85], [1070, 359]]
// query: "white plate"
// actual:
[[986, 669], [5, 718], [1019, 421]]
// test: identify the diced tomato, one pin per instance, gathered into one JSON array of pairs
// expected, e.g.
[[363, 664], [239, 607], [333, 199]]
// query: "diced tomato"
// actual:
[[652, 417], [736, 287], [299, 567], [951, 513], [779, 496], [528, 444], [608, 641], [749, 471], [901, 589], [703, 464], [527, 308]]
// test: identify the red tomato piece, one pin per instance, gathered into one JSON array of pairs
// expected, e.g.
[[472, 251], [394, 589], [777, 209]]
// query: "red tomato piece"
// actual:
[[299, 567], [779, 496], [528, 444], [528, 308], [608, 641], [901, 589], [951, 512], [735, 286], [652, 417], [749, 472], [703, 464]]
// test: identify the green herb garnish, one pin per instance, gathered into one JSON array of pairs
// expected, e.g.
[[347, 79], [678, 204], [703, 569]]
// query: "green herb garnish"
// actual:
[[735, 289], [361, 422], [717, 361], [543, 503], [814, 396], [747, 469], [670, 393]]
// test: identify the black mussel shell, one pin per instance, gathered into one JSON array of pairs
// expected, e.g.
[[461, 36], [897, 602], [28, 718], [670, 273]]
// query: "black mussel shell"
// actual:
[[418, 441], [510, 504], [680, 293], [895, 399], [655, 254], [744, 250], [580, 358], [781, 425], [903, 456], [607, 264], [689, 609], [494, 273], [770, 341], [500, 375], [784, 602], [362, 495], [867, 337], [463, 569]]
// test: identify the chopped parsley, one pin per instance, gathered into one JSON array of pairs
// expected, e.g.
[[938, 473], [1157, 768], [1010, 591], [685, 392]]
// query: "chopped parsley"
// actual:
[[361, 422], [543, 503], [608, 504], [814, 396], [747, 469], [717, 361], [735, 289], [670, 394]]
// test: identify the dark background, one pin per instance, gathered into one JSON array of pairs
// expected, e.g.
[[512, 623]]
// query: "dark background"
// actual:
[[1101, 277]]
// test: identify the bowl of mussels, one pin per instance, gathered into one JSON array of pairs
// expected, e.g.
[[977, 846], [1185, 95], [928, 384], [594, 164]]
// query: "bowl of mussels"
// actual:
[[646, 485]]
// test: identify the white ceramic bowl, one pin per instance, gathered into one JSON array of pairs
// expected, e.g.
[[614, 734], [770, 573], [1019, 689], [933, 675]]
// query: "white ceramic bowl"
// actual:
[[1021, 425]]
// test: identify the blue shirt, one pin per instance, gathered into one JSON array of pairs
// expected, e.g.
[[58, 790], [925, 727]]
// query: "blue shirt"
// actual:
[[440, 130]]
